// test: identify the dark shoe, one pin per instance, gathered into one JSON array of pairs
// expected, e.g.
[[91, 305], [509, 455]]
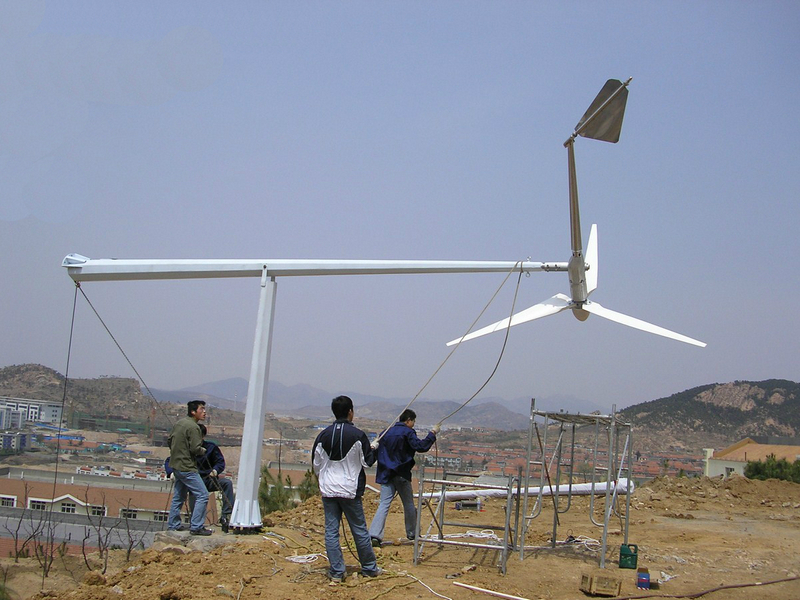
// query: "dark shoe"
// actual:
[[411, 537], [376, 543], [374, 573], [223, 524], [178, 528], [203, 531]]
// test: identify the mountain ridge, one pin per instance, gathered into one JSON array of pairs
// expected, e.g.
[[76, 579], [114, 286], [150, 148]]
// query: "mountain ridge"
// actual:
[[712, 414]]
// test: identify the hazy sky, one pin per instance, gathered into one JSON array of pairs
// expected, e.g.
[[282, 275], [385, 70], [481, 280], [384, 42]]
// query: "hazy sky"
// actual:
[[409, 130]]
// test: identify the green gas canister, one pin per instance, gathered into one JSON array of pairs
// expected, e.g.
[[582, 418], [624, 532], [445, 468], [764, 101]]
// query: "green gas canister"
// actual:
[[628, 556]]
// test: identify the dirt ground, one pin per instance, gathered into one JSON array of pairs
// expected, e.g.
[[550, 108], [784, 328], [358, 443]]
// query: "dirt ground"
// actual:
[[695, 535]]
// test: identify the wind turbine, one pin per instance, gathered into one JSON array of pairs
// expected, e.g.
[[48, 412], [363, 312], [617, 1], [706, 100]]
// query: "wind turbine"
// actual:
[[601, 121]]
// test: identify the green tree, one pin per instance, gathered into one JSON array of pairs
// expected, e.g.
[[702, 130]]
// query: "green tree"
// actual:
[[771, 468], [309, 487], [274, 493]]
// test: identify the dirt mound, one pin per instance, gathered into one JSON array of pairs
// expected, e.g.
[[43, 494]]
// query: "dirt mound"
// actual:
[[692, 534]]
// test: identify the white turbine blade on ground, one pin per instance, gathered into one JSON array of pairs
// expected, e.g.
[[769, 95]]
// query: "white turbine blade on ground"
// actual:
[[592, 261], [596, 309], [549, 307]]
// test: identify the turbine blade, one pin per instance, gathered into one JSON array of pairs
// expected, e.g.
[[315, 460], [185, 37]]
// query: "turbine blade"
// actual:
[[549, 307], [596, 309], [592, 261]]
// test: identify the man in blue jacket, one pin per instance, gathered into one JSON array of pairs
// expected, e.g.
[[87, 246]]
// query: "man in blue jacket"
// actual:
[[340, 453], [396, 451], [210, 467]]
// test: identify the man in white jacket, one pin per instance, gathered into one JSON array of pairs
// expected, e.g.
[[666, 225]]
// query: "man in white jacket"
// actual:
[[340, 454]]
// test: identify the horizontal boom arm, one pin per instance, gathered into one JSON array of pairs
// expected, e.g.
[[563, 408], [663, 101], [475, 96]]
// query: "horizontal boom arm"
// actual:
[[81, 268]]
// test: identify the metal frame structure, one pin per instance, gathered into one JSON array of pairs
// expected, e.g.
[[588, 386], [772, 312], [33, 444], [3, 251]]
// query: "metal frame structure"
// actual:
[[246, 512], [560, 464], [512, 490]]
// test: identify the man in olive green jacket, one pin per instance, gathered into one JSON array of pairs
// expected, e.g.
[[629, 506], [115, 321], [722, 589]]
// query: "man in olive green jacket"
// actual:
[[185, 447]]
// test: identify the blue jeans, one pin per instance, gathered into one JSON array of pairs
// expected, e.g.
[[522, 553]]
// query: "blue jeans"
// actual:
[[188, 482], [402, 487], [223, 485], [354, 511]]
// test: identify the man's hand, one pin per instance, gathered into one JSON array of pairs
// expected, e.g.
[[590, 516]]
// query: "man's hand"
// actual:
[[213, 472], [374, 444], [436, 428]]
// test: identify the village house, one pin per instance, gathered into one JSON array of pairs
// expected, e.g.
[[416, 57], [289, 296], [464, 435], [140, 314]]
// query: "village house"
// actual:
[[734, 459]]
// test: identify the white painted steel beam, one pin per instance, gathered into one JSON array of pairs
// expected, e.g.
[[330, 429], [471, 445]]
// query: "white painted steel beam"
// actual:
[[81, 268], [578, 489], [246, 511]]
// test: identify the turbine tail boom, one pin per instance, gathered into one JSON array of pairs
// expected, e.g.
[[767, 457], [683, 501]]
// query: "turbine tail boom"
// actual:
[[596, 309]]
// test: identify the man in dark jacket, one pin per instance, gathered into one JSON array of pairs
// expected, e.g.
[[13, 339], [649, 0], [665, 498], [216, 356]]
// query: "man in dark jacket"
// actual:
[[210, 467], [185, 447], [340, 454], [396, 450]]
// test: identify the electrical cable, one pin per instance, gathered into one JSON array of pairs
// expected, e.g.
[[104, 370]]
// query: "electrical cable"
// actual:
[[439, 368], [502, 349], [716, 589]]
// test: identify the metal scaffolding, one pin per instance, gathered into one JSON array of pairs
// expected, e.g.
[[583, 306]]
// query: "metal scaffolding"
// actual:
[[554, 465], [504, 545]]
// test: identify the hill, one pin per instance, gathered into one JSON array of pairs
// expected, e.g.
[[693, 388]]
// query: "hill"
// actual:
[[115, 397], [713, 415], [122, 399], [118, 399], [720, 414]]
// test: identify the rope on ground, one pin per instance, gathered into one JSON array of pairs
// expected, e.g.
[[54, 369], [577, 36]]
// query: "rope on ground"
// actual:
[[306, 558], [394, 587], [245, 580], [485, 534], [716, 589], [426, 586], [490, 592], [590, 544]]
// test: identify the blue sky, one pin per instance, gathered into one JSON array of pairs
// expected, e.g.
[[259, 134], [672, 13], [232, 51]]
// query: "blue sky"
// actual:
[[409, 130]]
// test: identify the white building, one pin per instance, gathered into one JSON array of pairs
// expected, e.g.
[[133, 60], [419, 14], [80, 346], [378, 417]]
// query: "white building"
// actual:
[[11, 418], [40, 411]]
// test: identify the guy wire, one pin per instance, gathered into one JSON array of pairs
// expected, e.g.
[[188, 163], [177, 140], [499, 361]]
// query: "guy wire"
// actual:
[[480, 314], [144, 383], [50, 532]]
